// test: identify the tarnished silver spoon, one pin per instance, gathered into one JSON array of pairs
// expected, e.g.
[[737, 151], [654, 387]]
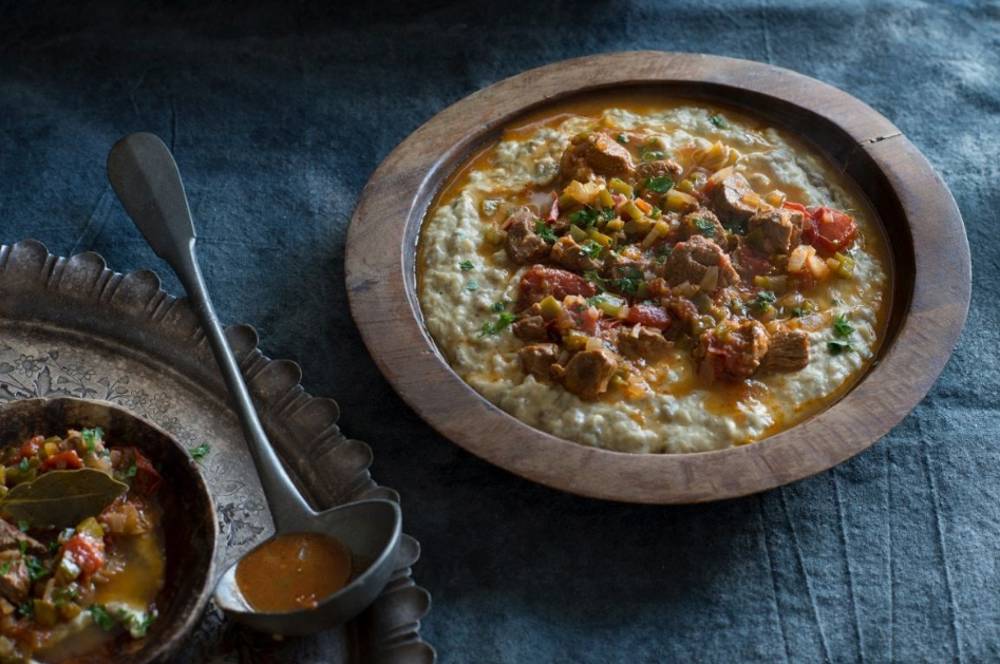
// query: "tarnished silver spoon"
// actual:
[[144, 175]]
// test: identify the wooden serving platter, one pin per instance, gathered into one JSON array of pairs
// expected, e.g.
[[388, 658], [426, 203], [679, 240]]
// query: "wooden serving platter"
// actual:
[[928, 247]]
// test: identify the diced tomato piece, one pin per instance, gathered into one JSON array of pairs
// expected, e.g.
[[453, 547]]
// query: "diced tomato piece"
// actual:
[[539, 281], [62, 461], [649, 315], [584, 318], [31, 446], [146, 480], [606, 323], [830, 231], [87, 553], [798, 207]]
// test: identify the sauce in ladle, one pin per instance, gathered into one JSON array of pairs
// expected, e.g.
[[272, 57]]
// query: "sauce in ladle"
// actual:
[[293, 571]]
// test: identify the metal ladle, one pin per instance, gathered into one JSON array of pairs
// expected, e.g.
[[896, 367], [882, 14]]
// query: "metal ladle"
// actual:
[[144, 175]]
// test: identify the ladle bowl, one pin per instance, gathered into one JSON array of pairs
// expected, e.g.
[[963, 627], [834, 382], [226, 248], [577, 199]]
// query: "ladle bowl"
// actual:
[[371, 530]]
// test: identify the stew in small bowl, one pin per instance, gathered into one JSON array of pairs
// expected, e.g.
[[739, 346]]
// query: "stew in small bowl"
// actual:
[[107, 535]]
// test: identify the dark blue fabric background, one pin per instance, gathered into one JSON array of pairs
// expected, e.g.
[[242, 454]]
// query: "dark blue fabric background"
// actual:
[[277, 117]]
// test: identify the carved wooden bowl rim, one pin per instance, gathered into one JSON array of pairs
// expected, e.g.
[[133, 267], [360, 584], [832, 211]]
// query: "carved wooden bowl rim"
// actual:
[[930, 256]]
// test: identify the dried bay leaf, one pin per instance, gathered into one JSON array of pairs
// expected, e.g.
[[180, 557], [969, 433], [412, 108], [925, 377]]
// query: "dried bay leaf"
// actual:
[[61, 498]]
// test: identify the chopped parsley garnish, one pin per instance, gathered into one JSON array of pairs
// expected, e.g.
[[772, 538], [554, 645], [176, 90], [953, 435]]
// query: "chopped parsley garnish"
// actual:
[[5, 568], [841, 328], [591, 249], [132, 470], [36, 570], [705, 226], [200, 452], [622, 138], [798, 312], [137, 626], [630, 282], [736, 227], [465, 266], [596, 279], [471, 285], [90, 437], [661, 184], [838, 347], [101, 617], [22, 547], [656, 213], [763, 301], [25, 465], [588, 216], [22, 525], [545, 231], [502, 322], [64, 595], [663, 253], [498, 306], [652, 155], [26, 609], [719, 121], [54, 546]]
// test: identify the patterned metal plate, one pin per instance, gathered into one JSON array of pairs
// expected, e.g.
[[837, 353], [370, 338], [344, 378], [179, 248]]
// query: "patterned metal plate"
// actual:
[[72, 327]]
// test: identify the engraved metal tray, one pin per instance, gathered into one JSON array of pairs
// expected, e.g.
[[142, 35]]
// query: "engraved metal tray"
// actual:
[[72, 327]]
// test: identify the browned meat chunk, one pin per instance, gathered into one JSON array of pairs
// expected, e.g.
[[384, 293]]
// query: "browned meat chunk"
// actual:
[[523, 244], [539, 281], [734, 352], [641, 342], [595, 154], [587, 373], [787, 351], [682, 309], [656, 169], [617, 266], [730, 201], [703, 222], [568, 254], [537, 359], [11, 537], [748, 261], [15, 582], [691, 260], [531, 328], [775, 231]]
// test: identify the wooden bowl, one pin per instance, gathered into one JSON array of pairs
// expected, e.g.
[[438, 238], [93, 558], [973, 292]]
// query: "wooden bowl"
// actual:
[[929, 252], [189, 519]]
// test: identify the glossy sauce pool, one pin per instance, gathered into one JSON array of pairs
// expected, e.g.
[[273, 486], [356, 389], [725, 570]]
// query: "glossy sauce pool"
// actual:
[[293, 571]]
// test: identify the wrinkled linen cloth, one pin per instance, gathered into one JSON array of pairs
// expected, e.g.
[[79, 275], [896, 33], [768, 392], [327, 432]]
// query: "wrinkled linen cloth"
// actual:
[[278, 115]]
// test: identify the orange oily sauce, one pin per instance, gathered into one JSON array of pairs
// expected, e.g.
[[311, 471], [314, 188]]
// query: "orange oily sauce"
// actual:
[[135, 573], [293, 571]]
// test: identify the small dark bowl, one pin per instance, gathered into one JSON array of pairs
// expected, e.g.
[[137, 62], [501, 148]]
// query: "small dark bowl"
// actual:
[[189, 519]]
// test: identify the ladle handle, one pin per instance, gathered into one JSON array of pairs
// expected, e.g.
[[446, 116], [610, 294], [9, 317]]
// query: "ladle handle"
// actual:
[[144, 175]]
